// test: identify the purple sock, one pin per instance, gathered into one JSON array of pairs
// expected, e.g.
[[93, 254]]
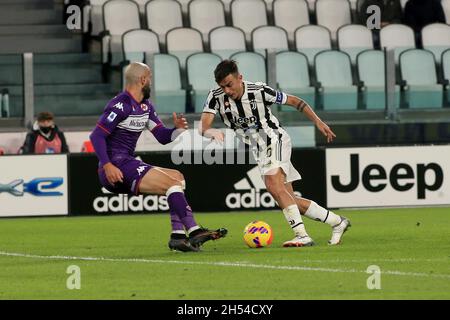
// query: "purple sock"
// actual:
[[179, 206], [177, 225]]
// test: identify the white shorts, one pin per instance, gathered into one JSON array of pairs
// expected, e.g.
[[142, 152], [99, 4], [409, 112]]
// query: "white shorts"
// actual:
[[277, 155]]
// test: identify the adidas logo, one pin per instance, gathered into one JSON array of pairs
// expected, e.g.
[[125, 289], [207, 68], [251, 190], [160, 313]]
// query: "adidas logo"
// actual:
[[256, 195], [124, 203]]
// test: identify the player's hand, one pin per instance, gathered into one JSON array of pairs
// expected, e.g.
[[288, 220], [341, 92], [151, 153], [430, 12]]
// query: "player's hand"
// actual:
[[179, 121], [216, 135], [326, 131], [113, 174]]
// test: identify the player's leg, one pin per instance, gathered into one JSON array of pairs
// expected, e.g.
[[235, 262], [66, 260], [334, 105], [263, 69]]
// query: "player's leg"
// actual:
[[275, 184], [171, 183], [312, 210]]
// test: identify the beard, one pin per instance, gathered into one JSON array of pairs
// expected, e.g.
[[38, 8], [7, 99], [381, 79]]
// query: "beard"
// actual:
[[146, 92]]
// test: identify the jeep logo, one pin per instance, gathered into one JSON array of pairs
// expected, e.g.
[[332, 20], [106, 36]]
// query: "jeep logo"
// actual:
[[246, 120], [401, 177]]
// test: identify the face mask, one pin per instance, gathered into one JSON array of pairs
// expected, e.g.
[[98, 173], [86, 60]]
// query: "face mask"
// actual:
[[45, 129], [146, 92]]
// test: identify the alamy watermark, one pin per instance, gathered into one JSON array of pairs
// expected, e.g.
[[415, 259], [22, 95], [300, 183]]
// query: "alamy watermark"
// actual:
[[190, 147], [74, 279], [374, 281], [73, 21], [373, 21]]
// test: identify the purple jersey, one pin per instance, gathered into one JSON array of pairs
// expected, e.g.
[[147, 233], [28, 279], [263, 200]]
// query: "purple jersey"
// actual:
[[123, 120], [115, 137]]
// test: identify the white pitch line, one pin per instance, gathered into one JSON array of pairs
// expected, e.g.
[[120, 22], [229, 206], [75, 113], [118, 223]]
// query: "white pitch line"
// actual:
[[221, 264]]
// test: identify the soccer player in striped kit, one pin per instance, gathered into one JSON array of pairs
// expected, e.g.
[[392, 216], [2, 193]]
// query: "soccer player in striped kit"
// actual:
[[114, 140], [245, 107]]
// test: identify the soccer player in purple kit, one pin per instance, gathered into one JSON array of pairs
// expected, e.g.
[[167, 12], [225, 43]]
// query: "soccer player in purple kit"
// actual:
[[114, 140]]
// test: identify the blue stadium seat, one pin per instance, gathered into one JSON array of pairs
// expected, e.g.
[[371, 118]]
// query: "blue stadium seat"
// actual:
[[169, 95], [200, 73], [335, 82], [251, 65], [436, 38], [293, 77], [371, 71], [418, 72]]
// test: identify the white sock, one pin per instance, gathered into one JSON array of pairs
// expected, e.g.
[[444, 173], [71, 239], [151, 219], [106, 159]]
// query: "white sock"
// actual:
[[294, 219], [318, 213], [193, 229]]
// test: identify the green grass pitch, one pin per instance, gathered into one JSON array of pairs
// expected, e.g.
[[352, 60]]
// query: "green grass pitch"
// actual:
[[129, 258]]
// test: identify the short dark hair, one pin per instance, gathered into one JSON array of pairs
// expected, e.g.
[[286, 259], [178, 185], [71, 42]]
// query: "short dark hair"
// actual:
[[225, 68], [43, 116]]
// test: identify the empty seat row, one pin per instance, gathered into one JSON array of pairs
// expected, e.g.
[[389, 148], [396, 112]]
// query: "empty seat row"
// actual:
[[121, 16], [333, 88], [310, 39]]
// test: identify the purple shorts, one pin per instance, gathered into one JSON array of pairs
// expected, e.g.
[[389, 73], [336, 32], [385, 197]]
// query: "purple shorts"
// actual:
[[133, 171]]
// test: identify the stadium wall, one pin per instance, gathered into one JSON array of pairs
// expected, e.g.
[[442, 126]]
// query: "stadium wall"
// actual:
[[48, 185]]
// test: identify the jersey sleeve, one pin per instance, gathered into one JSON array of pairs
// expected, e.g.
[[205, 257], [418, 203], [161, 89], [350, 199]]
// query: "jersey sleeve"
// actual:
[[274, 96], [153, 119], [211, 104], [115, 112], [156, 126]]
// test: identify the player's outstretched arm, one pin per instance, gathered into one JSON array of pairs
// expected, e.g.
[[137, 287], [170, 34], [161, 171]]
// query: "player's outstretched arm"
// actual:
[[206, 130], [302, 106]]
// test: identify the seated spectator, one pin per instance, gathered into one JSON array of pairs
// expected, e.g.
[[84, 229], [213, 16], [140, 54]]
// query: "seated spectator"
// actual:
[[45, 137], [391, 11], [419, 13]]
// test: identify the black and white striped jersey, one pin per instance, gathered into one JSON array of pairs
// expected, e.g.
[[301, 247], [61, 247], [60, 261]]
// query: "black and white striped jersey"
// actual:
[[250, 117]]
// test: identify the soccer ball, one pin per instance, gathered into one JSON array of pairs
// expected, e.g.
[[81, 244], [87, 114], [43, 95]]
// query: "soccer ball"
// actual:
[[258, 234]]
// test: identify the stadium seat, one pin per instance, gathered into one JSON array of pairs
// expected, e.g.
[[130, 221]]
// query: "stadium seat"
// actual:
[[446, 74], [270, 38], [310, 40], [290, 15], [371, 71], [241, 17], [93, 17], [162, 16], [397, 37], [333, 14], [419, 79], [226, 41], [446, 6], [353, 39], [200, 73], [206, 15], [334, 81], [182, 42], [169, 95], [137, 43], [120, 16], [293, 77], [436, 38], [251, 65]]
